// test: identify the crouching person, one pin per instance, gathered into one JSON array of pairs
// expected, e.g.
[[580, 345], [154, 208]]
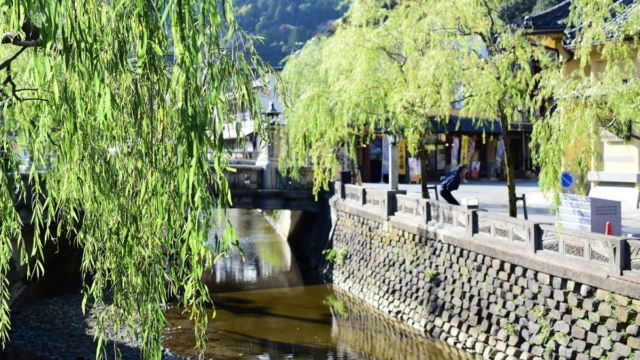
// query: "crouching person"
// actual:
[[451, 183]]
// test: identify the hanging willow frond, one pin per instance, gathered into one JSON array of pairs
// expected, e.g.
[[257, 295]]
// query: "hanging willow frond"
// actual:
[[129, 97]]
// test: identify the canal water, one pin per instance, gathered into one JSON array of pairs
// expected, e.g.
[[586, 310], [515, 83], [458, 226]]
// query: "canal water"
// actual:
[[270, 307]]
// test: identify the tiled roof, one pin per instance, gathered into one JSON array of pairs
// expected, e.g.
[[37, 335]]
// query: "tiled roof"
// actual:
[[619, 18], [549, 20], [552, 20]]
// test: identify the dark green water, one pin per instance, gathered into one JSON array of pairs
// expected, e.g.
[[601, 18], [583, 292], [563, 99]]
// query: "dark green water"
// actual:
[[267, 308]]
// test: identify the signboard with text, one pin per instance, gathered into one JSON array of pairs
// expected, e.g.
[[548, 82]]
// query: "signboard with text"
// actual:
[[402, 157]]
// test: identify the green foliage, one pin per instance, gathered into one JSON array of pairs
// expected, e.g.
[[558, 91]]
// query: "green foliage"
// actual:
[[545, 331], [415, 60], [550, 348], [334, 256], [285, 26], [597, 96], [130, 98], [339, 305], [430, 274], [511, 329]]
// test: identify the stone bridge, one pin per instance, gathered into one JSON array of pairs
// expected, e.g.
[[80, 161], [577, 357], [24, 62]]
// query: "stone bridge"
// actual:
[[256, 187], [249, 190]]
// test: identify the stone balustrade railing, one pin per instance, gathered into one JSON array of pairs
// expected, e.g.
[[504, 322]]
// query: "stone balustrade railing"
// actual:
[[245, 177], [503, 229], [412, 207], [353, 193], [599, 251], [616, 256], [249, 176], [304, 181], [442, 214]]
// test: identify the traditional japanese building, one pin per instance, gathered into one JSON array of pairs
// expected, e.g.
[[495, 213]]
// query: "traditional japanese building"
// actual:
[[617, 176]]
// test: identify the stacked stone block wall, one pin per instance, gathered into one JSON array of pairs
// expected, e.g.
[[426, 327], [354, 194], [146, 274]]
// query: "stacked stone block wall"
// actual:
[[362, 330], [492, 307]]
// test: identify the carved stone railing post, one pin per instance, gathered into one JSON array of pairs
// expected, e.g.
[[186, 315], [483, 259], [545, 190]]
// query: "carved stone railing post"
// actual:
[[338, 189], [536, 239], [472, 226], [392, 203], [630, 257], [423, 211], [616, 251]]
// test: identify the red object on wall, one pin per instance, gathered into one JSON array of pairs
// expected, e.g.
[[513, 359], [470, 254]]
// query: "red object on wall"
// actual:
[[608, 229]]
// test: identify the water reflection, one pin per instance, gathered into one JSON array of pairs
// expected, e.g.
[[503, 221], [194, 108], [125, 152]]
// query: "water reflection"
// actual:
[[266, 309], [274, 255]]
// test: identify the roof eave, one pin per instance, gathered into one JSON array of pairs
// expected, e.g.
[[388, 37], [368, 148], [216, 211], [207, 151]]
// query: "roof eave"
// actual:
[[557, 31]]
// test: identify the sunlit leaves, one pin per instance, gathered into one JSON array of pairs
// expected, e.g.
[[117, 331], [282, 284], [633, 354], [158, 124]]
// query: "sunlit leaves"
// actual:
[[399, 63], [135, 95], [596, 90]]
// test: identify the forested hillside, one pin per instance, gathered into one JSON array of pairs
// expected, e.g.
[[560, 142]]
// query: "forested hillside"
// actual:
[[286, 25]]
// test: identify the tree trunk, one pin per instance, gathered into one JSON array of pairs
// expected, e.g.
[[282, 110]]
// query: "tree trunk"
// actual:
[[508, 165], [423, 171]]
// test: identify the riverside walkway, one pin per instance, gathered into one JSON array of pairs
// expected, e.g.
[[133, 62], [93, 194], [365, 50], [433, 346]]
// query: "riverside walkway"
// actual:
[[493, 197]]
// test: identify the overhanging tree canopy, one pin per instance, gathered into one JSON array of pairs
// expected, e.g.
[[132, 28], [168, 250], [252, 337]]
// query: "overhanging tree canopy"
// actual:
[[402, 62], [154, 81], [599, 94]]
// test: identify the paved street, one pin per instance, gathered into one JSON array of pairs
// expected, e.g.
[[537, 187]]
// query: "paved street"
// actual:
[[493, 197]]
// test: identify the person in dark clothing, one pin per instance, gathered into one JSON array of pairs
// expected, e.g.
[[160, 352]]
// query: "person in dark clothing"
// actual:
[[451, 183]]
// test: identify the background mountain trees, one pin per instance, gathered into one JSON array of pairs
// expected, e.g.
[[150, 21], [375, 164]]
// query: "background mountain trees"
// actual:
[[285, 25]]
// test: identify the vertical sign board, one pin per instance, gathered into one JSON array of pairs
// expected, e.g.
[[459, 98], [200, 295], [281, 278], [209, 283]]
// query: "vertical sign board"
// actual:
[[402, 157], [499, 154], [472, 150], [464, 150], [475, 170], [414, 169], [605, 211], [385, 155], [455, 147]]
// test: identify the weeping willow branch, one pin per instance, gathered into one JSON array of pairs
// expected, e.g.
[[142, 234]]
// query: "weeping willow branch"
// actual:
[[7, 63], [129, 116]]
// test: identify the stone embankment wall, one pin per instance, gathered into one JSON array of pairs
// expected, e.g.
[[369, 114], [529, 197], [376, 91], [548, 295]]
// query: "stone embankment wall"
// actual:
[[495, 286], [361, 329]]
